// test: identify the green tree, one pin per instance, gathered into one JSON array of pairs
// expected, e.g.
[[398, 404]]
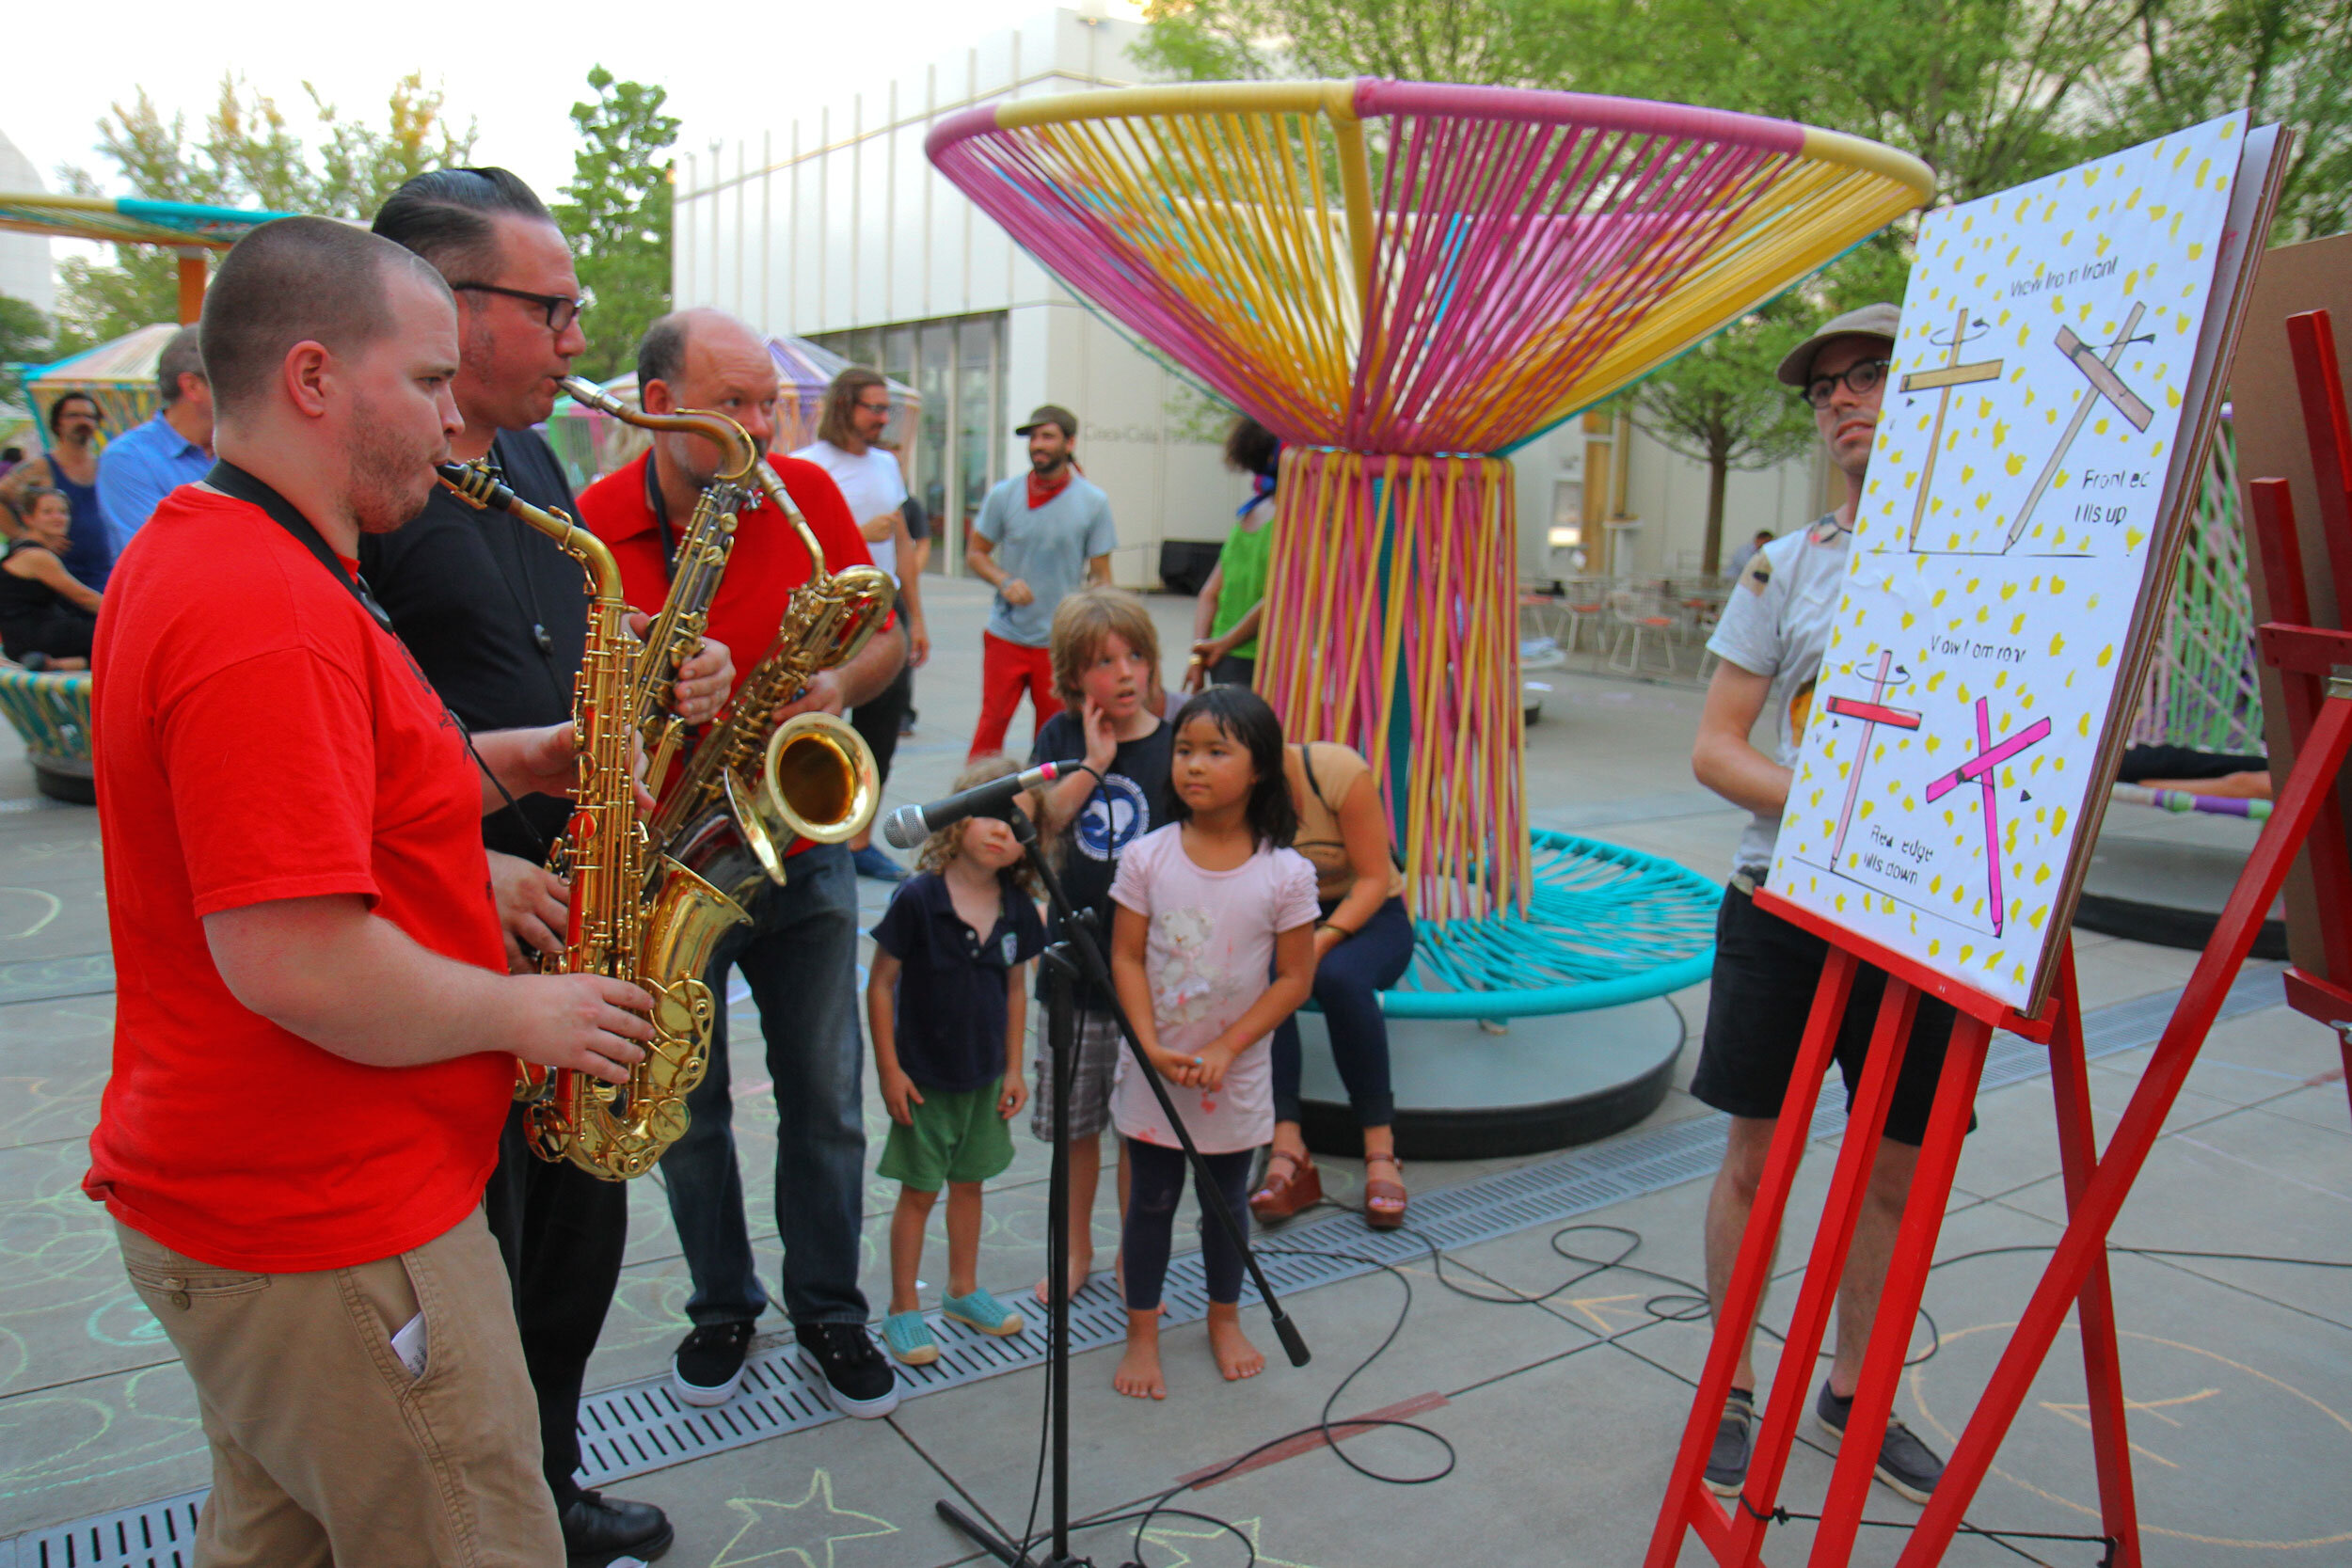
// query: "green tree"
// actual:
[[1719, 406], [616, 213], [24, 338], [245, 154], [2287, 60]]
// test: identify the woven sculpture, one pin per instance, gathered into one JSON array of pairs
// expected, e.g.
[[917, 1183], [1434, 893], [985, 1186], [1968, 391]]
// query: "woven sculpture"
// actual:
[[2204, 690], [1404, 281]]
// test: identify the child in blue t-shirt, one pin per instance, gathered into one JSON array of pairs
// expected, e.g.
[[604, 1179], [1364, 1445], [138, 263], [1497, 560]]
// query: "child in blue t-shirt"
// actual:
[[947, 1006]]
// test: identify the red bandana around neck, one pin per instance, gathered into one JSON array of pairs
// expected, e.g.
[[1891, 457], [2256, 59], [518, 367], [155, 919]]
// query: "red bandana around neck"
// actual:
[[1044, 490]]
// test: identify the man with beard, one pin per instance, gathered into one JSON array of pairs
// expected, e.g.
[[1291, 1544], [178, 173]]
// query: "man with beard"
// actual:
[[1770, 640], [72, 467], [497, 615], [798, 955], [1040, 537], [315, 1032]]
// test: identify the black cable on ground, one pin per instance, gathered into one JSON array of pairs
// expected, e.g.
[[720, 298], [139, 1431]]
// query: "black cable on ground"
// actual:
[[1686, 1302]]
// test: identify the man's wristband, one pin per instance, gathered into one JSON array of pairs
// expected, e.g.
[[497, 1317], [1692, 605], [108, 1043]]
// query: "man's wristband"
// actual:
[[1330, 926]]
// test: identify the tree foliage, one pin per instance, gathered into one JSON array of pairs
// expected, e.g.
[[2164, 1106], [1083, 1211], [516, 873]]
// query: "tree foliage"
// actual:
[[245, 153], [1988, 93], [616, 213]]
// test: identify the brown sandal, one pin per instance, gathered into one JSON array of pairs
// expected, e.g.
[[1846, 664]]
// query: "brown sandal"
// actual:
[[1302, 1188], [1384, 1201]]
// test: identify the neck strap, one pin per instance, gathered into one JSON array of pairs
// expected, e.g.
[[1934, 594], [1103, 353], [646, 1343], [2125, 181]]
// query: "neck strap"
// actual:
[[230, 480]]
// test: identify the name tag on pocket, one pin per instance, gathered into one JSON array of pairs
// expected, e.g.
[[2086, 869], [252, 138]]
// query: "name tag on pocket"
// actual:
[[408, 1344]]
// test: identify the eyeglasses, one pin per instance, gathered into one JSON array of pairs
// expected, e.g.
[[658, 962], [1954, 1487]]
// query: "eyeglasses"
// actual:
[[865, 407], [562, 312], [1860, 377]]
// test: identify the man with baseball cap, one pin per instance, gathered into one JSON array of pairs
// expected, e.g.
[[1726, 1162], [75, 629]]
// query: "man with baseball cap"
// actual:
[[1770, 640], [1041, 537]]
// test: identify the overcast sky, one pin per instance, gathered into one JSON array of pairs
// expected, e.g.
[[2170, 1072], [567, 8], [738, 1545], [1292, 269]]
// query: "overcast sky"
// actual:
[[514, 69]]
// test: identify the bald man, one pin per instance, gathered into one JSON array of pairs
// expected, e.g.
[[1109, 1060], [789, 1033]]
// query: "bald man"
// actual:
[[798, 954], [315, 1031]]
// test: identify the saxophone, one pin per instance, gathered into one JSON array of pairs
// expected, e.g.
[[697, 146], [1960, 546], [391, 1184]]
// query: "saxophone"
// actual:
[[752, 786], [635, 915], [676, 631]]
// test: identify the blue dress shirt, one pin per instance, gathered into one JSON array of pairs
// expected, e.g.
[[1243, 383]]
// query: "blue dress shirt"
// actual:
[[138, 468]]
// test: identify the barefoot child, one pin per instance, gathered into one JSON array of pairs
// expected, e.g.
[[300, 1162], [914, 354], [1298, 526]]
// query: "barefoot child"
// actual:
[[947, 1011], [1106, 660], [1206, 906]]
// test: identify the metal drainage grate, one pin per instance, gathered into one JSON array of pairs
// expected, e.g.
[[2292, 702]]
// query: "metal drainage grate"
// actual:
[[643, 1426], [160, 1535]]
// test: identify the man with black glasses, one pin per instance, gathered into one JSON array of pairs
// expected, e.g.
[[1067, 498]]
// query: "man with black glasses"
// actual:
[[497, 615], [1771, 638]]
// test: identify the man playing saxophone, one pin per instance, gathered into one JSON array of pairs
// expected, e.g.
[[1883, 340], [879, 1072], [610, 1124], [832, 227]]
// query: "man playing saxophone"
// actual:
[[798, 955], [496, 614], [315, 1030]]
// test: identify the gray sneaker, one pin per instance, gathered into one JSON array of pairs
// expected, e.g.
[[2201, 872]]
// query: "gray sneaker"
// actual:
[[1906, 1464], [1735, 1440]]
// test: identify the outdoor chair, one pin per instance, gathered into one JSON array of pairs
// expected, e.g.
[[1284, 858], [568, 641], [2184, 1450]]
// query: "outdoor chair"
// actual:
[[1638, 617], [51, 710]]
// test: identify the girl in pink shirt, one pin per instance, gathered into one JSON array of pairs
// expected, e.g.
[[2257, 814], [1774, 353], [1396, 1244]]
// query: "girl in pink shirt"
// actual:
[[1207, 907]]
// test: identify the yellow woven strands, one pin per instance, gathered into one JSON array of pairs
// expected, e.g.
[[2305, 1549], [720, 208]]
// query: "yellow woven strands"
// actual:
[[1240, 218], [1391, 631]]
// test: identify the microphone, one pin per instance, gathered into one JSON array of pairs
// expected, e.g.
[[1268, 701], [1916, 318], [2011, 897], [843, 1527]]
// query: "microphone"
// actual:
[[909, 825]]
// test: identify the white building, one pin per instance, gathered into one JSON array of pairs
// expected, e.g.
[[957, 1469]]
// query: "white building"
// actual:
[[24, 272], [835, 227]]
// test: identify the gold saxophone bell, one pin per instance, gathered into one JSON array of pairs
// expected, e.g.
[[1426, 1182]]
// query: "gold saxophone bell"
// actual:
[[819, 777]]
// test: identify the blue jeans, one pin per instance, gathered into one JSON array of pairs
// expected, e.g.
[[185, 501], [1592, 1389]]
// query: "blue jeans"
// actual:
[[1347, 983], [798, 955]]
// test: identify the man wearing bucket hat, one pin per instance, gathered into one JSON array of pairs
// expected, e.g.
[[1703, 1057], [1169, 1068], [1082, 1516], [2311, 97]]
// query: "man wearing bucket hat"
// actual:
[[1040, 537], [1770, 640]]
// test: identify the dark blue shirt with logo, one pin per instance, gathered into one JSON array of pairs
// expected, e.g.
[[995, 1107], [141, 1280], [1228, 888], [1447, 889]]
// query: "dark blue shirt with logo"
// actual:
[[1136, 795], [949, 1022]]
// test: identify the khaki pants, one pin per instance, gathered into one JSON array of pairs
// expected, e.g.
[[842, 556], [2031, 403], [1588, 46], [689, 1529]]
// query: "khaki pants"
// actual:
[[325, 1449]]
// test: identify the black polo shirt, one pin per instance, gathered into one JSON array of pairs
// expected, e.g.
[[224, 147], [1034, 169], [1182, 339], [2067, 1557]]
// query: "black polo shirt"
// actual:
[[496, 613], [949, 1022]]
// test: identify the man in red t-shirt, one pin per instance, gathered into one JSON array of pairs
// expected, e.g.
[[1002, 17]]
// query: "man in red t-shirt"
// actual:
[[315, 1032], [800, 951]]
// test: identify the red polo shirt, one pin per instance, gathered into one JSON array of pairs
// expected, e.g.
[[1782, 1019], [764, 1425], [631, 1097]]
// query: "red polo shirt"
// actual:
[[259, 738], [768, 563]]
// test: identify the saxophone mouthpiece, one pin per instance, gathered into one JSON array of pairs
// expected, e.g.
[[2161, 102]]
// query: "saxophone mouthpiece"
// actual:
[[477, 487], [588, 394]]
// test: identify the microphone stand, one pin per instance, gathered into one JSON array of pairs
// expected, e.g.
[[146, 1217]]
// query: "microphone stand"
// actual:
[[1062, 1035]]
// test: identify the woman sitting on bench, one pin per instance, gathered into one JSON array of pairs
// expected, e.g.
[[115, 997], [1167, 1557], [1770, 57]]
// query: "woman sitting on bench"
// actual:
[[46, 615]]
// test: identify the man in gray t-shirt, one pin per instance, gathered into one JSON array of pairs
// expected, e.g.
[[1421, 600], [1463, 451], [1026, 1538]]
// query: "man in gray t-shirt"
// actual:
[[1770, 640], [1039, 538]]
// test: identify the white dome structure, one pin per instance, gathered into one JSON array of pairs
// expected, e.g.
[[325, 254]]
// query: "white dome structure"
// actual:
[[24, 270]]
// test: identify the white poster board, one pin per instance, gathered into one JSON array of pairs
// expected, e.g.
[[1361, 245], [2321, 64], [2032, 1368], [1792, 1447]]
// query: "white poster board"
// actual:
[[2053, 380]]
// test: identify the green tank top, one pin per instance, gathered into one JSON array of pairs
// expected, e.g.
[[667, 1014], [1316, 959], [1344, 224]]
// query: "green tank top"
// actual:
[[1243, 561]]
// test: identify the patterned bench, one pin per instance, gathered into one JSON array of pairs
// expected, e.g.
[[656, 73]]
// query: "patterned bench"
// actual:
[[52, 712]]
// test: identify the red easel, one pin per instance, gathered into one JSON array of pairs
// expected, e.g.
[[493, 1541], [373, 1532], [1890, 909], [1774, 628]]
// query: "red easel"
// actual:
[[2320, 717]]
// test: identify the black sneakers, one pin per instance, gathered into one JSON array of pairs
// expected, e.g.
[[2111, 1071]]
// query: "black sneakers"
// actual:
[[708, 1366], [599, 1531], [1906, 1464], [855, 1372], [1735, 1440]]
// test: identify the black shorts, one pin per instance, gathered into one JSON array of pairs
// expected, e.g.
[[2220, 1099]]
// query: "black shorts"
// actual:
[[1766, 973]]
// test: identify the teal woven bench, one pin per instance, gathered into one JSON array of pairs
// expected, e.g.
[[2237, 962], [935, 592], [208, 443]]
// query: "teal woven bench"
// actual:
[[52, 712]]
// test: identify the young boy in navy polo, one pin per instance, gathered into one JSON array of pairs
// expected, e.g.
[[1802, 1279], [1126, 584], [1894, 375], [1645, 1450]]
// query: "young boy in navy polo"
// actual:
[[947, 1004]]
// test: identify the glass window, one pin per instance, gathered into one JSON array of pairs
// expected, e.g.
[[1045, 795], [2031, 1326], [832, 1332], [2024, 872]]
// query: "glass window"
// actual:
[[934, 379]]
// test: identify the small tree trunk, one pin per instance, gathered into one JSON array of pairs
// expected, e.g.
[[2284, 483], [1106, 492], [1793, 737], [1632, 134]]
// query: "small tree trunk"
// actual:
[[1718, 474]]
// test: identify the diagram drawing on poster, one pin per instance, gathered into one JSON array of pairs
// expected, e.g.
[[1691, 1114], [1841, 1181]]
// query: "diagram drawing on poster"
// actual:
[[2055, 365]]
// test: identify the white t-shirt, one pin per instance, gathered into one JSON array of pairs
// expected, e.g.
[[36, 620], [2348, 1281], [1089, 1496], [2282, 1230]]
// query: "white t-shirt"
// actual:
[[1776, 623], [1208, 955], [872, 484]]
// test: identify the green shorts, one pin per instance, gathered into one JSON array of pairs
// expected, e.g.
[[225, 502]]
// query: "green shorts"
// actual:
[[956, 1137]]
